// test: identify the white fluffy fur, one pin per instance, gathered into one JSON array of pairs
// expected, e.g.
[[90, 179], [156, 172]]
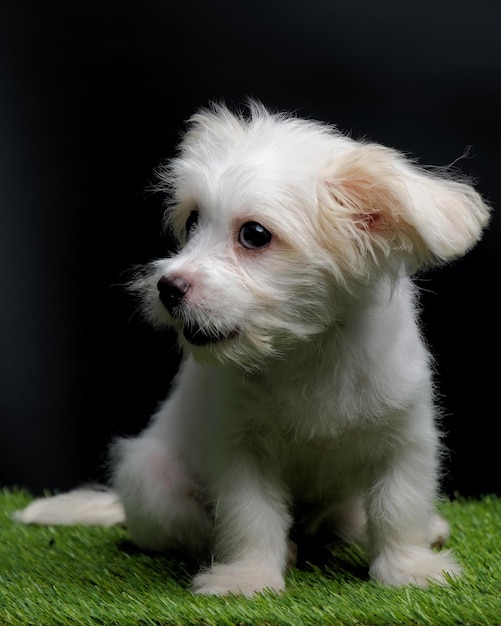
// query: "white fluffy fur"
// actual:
[[81, 506], [313, 386]]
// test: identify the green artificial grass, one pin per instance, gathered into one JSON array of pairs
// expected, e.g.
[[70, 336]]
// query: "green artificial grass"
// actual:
[[87, 576]]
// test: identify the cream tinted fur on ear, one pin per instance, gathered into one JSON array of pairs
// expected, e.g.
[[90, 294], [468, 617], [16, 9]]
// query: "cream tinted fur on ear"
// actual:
[[305, 383], [394, 208]]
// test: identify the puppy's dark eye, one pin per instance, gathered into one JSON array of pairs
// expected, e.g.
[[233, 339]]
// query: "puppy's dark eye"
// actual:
[[254, 236], [191, 222]]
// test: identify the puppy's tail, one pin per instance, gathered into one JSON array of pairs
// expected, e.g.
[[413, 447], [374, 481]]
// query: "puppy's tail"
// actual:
[[92, 506]]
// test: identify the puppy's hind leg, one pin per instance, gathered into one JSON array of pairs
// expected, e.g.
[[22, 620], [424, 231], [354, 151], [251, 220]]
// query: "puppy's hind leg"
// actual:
[[164, 506], [439, 531], [348, 521]]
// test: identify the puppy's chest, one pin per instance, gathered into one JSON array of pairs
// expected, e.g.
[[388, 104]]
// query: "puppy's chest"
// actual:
[[334, 436], [324, 411], [339, 456], [319, 434]]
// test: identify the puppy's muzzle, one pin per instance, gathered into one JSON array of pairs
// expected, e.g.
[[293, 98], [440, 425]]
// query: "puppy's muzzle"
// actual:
[[171, 290]]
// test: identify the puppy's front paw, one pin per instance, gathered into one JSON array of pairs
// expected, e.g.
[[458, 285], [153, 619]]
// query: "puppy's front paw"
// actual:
[[414, 566], [242, 577]]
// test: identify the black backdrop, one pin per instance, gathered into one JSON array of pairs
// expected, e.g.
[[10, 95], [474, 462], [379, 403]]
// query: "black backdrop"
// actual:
[[92, 98]]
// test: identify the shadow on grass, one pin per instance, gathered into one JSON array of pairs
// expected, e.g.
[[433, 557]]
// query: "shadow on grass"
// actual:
[[331, 556], [322, 554]]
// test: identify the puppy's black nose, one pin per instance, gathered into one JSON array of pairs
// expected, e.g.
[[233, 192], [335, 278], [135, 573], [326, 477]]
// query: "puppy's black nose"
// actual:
[[172, 290]]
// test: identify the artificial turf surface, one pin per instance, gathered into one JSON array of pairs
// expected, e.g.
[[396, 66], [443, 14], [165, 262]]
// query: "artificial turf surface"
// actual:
[[87, 576]]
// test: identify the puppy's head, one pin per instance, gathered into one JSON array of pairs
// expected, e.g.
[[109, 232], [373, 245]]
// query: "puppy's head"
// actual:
[[283, 222]]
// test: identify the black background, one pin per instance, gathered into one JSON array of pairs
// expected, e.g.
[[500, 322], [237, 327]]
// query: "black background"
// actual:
[[92, 98]]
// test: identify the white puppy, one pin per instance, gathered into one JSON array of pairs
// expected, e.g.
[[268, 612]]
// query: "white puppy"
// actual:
[[305, 384]]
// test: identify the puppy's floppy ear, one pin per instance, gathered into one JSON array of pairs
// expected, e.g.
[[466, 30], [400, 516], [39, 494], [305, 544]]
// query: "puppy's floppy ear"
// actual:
[[387, 206]]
